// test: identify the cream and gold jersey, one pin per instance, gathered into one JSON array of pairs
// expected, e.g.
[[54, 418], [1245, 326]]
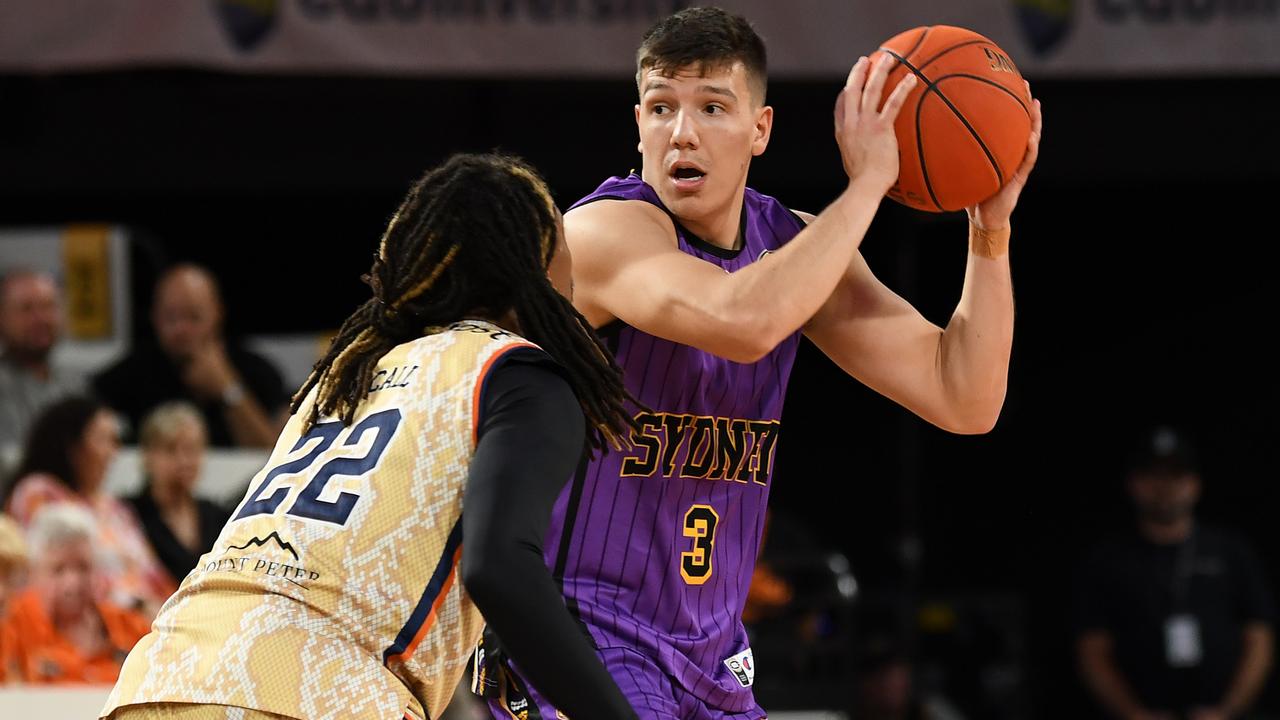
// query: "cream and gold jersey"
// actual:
[[332, 592]]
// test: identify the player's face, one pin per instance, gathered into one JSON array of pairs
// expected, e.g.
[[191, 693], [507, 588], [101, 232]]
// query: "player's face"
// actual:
[[560, 269], [698, 133]]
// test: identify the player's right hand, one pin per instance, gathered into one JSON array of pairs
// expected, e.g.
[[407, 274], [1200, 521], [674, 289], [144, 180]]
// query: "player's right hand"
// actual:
[[864, 130]]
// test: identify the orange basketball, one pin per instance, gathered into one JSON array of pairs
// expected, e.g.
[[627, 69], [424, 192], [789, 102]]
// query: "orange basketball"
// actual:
[[963, 130]]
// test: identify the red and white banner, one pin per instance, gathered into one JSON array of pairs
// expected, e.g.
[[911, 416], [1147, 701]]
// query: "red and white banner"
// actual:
[[597, 38]]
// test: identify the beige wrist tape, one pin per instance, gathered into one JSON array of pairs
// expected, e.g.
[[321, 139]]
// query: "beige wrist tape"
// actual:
[[988, 243]]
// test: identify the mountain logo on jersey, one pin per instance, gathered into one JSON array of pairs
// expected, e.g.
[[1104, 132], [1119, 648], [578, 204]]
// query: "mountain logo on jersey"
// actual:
[[247, 22], [261, 542]]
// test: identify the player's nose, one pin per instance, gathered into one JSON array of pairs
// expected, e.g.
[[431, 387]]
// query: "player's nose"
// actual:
[[684, 134]]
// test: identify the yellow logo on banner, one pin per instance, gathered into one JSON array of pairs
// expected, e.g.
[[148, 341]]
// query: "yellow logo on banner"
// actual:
[[87, 269]]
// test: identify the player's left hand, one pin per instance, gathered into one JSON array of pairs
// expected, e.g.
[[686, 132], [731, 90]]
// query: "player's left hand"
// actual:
[[993, 213]]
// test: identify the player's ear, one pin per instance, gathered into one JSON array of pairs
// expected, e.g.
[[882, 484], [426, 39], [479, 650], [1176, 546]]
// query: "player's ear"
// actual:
[[639, 143], [764, 128]]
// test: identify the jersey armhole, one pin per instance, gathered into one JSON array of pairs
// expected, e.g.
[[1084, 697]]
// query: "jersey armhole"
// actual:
[[588, 200], [800, 222], [514, 351]]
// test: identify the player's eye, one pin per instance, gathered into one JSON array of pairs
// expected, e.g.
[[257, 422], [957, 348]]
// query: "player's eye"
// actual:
[[660, 109], [715, 109]]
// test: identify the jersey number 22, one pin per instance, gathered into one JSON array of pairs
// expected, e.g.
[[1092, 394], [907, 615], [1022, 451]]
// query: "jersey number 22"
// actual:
[[308, 503]]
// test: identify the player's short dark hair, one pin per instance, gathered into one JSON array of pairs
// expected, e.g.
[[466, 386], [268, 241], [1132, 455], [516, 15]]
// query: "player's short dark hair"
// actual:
[[473, 237], [705, 38]]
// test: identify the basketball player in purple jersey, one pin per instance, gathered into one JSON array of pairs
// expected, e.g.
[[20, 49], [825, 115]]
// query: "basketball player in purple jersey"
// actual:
[[702, 287]]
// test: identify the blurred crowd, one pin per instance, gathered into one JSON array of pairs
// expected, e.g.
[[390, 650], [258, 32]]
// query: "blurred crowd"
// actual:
[[1173, 617], [83, 571]]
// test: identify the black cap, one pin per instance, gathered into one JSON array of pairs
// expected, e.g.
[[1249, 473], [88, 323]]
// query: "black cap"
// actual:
[[1163, 450]]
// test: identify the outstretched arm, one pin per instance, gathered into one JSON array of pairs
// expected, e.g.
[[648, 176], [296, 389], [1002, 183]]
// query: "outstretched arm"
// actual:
[[627, 267], [953, 377]]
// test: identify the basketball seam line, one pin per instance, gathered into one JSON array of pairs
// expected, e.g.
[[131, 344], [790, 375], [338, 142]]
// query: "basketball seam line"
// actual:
[[930, 86], [957, 46], [919, 42], [992, 83], [924, 172], [985, 150]]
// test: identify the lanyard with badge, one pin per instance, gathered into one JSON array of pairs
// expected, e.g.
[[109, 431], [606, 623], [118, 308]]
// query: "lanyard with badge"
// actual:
[[1182, 646]]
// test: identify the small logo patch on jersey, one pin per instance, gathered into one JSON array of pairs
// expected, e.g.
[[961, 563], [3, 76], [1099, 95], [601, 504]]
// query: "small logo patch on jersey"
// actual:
[[261, 542], [743, 667], [518, 707]]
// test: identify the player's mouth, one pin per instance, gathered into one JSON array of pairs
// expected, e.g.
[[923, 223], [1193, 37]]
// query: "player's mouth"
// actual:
[[688, 176]]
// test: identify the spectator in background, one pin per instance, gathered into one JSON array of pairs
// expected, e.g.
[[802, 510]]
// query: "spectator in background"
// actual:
[[13, 560], [69, 449], [240, 394], [1175, 619], [179, 526], [769, 592], [886, 687], [30, 326], [56, 631]]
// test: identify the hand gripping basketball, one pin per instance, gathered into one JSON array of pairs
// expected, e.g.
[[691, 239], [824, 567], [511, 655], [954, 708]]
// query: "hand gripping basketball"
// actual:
[[865, 131], [965, 129]]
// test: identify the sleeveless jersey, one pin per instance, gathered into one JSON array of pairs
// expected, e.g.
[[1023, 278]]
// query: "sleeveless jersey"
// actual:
[[655, 546], [332, 592]]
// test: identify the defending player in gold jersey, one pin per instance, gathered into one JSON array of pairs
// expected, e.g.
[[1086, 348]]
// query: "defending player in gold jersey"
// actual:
[[345, 584]]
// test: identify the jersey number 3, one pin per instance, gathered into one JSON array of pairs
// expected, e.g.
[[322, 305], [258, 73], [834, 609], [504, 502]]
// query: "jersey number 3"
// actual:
[[308, 503], [700, 524]]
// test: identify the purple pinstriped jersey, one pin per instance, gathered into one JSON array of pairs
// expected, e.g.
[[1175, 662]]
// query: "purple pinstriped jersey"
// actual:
[[656, 545]]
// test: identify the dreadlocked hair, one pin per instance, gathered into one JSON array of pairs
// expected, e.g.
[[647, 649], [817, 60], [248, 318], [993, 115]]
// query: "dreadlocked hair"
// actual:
[[473, 237]]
